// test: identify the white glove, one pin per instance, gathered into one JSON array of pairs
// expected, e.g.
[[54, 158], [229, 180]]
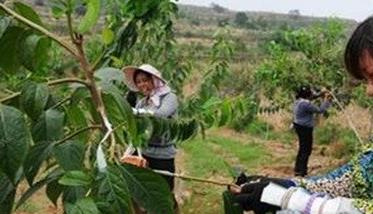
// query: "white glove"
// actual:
[[135, 111], [141, 111]]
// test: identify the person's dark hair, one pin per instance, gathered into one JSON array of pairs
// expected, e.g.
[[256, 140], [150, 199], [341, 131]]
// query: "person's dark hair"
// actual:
[[131, 98], [138, 71], [304, 92], [361, 39]]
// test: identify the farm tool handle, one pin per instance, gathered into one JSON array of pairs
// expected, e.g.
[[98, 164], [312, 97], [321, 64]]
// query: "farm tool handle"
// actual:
[[167, 173]]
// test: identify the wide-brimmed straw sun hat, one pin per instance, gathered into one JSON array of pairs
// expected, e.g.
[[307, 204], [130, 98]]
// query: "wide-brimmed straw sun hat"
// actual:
[[129, 72]]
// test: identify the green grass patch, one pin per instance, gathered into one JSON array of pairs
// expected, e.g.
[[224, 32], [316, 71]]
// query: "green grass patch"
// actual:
[[210, 158], [285, 137], [266, 131], [211, 155], [201, 160], [250, 155], [259, 128]]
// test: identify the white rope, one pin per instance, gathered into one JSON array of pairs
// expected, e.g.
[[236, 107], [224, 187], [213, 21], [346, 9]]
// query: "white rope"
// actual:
[[129, 151], [347, 117], [100, 155]]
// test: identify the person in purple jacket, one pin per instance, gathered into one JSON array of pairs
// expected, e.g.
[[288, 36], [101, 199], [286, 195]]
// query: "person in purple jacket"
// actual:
[[303, 122]]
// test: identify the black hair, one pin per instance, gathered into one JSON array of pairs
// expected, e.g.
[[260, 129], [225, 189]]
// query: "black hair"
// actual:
[[304, 92], [131, 98], [360, 40], [139, 71]]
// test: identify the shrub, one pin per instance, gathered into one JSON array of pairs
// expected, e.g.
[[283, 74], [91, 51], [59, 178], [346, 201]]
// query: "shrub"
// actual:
[[342, 141], [241, 19], [326, 134], [259, 128]]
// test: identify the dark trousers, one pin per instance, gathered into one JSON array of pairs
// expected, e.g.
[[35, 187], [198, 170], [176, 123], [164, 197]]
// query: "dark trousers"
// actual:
[[305, 137], [163, 164], [167, 165]]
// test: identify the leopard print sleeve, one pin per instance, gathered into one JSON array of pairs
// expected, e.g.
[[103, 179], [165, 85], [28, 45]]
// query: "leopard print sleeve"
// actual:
[[337, 183], [342, 181]]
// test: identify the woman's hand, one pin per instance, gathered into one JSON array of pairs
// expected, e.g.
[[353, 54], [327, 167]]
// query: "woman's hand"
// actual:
[[328, 96], [248, 197], [235, 189], [134, 160], [248, 191]]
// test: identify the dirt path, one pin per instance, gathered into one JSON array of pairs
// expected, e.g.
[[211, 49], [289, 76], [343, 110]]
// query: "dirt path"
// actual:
[[283, 155]]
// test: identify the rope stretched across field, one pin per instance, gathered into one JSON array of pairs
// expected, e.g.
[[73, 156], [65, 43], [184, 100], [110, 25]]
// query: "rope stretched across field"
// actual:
[[220, 183], [352, 126]]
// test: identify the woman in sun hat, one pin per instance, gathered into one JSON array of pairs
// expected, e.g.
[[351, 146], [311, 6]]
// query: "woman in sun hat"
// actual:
[[158, 101]]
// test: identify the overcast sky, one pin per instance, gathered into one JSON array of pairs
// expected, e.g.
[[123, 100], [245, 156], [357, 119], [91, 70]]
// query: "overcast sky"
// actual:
[[352, 9]]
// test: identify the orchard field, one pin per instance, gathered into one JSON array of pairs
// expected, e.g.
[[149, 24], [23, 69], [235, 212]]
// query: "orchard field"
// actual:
[[65, 122]]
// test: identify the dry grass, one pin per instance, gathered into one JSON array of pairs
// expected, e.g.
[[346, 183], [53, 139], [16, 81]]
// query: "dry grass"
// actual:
[[360, 117], [280, 121]]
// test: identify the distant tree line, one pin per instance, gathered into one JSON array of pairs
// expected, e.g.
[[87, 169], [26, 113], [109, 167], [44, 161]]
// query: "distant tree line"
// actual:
[[217, 8]]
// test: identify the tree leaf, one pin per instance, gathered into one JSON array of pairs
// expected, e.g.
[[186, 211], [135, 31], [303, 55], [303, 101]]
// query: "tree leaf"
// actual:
[[58, 8], [145, 129], [35, 52], [7, 196], [49, 126], [6, 186], [91, 16], [82, 206], [75, 178], [76, 116], [112, 191], [109, 75], [140, 9], [124, 40], [27, 12], [225, 113], [213, 101], [80, 93], [149, 189], [53, 176], [82, 99], [115, 116], [188, 129], [70, 155], [76, 119], [53, 191], [4, 24], [34, 98], [107, 36], [73, 193], [37, 155], [120, 113], [15, 140], [11, 47]]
